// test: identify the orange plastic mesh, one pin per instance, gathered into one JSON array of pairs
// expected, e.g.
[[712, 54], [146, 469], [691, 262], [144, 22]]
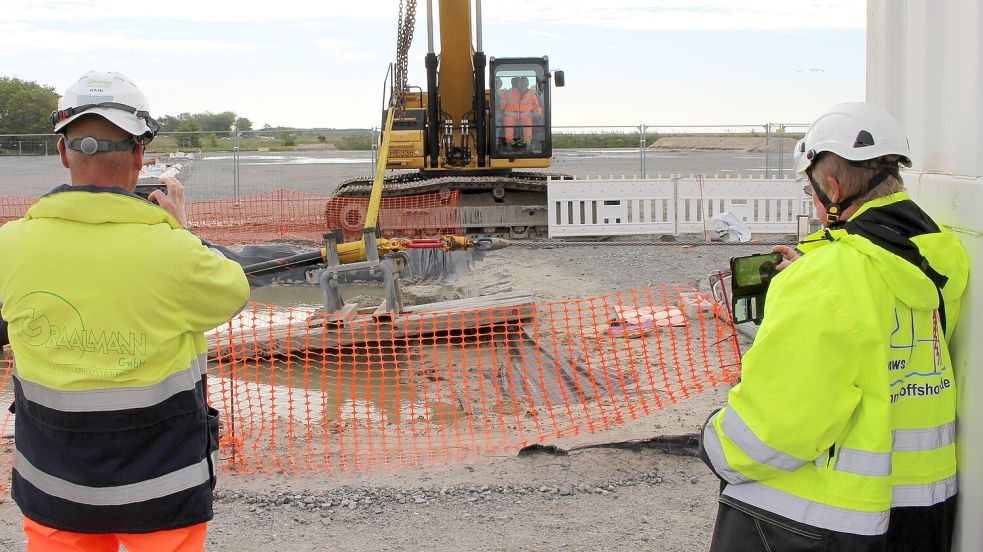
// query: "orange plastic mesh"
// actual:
[[285, 214], [298, 392], [13, 207], [301, 392]]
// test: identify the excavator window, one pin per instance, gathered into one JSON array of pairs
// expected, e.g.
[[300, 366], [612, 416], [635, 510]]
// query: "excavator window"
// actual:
[[520, 126]]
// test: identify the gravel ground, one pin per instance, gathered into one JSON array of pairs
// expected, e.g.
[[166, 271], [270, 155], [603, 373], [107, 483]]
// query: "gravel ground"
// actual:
[[589, 499]]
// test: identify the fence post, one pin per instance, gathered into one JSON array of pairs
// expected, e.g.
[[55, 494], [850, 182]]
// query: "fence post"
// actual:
[[375, 147], [642, 146], [767, 150], [235, 163], [675, 205], [781, 151]]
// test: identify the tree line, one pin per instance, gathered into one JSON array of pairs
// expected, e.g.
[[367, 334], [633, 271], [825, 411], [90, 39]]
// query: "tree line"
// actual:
[[26, 106], [205, 121]]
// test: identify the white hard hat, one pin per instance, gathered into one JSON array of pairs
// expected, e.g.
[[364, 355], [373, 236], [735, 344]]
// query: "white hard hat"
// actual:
[[110, 95], [856, 131]]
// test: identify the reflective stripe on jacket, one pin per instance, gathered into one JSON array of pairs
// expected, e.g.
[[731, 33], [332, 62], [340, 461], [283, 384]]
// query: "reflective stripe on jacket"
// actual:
[[106, 299], [515, 101], [846, 406]]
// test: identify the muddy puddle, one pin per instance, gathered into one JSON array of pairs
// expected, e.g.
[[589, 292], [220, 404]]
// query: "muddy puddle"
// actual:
[[302, 295], [383, 385]]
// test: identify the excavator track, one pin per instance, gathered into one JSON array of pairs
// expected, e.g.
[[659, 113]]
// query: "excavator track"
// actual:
[[412, 184], [512, 206]]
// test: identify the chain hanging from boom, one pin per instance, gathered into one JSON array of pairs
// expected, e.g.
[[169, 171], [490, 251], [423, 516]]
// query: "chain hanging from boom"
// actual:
[[404, 38]]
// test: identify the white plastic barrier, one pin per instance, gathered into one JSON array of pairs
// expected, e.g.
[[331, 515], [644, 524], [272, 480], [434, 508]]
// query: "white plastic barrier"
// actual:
[[672, 205], [611, 207]]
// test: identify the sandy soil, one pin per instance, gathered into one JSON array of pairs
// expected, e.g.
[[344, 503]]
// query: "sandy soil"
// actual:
[[589, 499]]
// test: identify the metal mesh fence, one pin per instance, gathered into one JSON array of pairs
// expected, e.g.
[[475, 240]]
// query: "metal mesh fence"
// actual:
[[597, 151], [28, 144], [756, 151], [228, 164], [245, 163]]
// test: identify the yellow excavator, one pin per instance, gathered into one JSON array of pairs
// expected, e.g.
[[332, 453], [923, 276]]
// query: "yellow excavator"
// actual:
[[459, 135]]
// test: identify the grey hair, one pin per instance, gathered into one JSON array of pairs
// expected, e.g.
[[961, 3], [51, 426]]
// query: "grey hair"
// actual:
[[854, 178]]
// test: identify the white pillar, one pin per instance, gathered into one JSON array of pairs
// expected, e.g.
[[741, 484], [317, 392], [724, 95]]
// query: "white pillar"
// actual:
[[925, 65]]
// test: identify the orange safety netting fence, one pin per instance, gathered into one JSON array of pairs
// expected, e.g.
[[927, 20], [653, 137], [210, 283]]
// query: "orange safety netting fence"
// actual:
[[298, 391], [13, 207], [301, 392], [285, 214]]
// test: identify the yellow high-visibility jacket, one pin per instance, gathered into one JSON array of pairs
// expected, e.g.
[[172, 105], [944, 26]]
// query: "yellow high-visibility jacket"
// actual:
[[847, 400], [107, 297]]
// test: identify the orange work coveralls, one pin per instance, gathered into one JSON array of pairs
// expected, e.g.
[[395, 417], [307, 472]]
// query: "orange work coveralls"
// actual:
[[518, 106]]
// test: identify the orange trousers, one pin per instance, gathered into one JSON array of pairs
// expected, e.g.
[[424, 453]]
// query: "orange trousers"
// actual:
[[41, 538], [513, 119]]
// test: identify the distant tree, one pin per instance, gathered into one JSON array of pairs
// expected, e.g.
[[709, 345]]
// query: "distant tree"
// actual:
[[288, 138], [359, 141], [26, 106], [188, 140], [206, 121], [215, 122], [169, 123], [244, 124]]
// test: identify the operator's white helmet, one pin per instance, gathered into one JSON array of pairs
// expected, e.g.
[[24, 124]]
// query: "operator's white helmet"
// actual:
[[110, 95], [856, 131]]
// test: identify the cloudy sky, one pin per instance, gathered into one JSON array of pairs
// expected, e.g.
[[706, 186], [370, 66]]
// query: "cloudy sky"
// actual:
[[321, 63]]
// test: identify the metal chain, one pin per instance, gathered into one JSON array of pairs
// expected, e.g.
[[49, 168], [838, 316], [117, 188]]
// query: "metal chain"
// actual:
[[404, 38]]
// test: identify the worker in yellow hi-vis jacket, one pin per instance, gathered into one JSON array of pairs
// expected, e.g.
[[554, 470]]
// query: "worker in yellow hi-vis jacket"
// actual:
[[841, 433], [107, 296]]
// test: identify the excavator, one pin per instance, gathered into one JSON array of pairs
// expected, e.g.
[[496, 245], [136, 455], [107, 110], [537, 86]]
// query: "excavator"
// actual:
[[458, 135]]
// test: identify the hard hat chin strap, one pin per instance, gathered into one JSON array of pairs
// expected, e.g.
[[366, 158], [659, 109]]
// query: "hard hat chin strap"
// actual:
[[834, 210]]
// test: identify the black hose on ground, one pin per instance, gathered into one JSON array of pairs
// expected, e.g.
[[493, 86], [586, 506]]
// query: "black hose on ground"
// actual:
[[283, 263]]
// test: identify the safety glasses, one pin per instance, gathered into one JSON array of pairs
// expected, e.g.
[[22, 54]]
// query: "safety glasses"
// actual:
[[62, 114]]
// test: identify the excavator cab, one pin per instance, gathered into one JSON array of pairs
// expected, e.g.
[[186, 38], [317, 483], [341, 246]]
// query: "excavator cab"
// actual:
[[519, 108], [513, 131]]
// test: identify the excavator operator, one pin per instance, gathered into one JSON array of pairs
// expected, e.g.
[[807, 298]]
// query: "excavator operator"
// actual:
[[520, 105]]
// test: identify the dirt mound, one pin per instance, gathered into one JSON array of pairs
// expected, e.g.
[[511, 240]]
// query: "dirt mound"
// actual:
[[724, 143]]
